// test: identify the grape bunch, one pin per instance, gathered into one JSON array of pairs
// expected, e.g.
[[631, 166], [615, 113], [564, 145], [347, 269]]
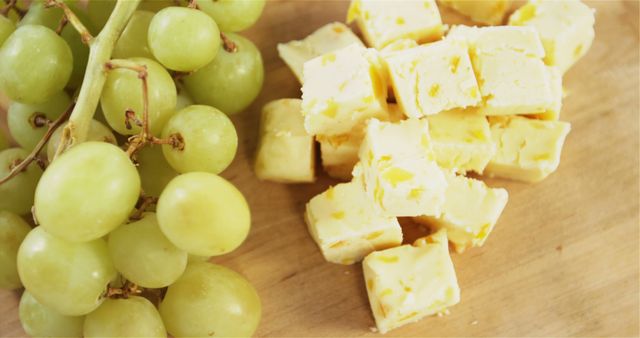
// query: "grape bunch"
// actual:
[[111, 203]]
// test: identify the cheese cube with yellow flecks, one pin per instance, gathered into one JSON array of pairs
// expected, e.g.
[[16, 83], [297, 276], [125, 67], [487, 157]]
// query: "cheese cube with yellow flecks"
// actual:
[[565, 27], [340, 153], [383, 22], [285, 149], [346, 227], [489, 12], [432, 78], [410, 282], [399, 171], [398, 45], [461, 140], [470, 212], [527, 149], [327, 38], [342, 89]]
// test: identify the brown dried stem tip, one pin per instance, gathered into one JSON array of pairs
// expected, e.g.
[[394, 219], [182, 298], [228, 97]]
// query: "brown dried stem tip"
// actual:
[[227, 44], [85, 35]]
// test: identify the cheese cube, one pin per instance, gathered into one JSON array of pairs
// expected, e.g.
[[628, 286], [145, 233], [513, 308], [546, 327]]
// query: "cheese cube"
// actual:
[[327, 38], [432, 78], [382, 22], [344, 224], [397, 46], [489, 12], [508, 64], [409, 282], [461, 140], [398, 168], [553, 112], [565, 27], [285, 150], [340, 153], [342, 89], [528, 150], [470, 212]]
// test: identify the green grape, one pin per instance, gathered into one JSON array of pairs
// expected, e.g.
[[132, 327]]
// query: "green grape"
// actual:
[[131, 317], [175, 30], [36, 64], [97, 132], [16, 195], [67, 277], [133, 41], [6, 28], [143, 255], [13, 229], [203, 214], [41, 321], [87, 192], [155, 172], [99, 12], [233, 15], [23, 119], [232, 81], [209, 300], [123, 90], [4, 142], [184, 100], [209, 137]]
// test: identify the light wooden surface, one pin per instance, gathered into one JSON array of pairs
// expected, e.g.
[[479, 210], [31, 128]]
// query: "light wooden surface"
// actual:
[[562, 261]]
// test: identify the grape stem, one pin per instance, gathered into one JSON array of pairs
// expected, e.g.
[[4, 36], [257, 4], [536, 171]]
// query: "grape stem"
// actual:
[[128, 289], [71, 17], [227, 44], [33, 156], [63, 23], [144, 202], [192, 4]]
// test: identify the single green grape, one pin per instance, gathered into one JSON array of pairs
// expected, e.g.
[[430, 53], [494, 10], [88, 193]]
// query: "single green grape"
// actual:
[[99, 12], [131, 317], [123, 91], [13, 230], [67, 277], [88, 191], [203, 214], [97, 132], [16, 195], [28, 122], [133, 41], [41, 321], [209, 300], [36, 64], [143, 255], [233, 15], [175, 30], [209, 138], [232, 80], [155, 172], [6, 28]]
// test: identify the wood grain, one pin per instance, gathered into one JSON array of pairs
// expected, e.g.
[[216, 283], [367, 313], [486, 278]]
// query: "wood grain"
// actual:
[[562, 261]]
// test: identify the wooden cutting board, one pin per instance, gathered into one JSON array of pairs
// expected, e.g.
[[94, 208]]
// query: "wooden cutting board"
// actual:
[[563, 259]]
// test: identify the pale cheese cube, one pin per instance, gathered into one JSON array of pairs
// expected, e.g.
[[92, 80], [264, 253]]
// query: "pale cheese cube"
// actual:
[[527, 149], [410, 282], [342, 89], [470, 212], [398, 168], [327, 38], [397, 46], [489, 12], [490, 40], [461, 140], [565, 27], [552, 113], [432, 78], [285, 149], [346, 227], [382, 22]]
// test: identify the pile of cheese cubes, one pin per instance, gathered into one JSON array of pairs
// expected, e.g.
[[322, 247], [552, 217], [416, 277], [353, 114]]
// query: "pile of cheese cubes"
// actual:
[[405, 120]]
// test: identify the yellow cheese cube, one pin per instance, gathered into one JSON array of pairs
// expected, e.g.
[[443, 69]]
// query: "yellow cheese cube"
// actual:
[[383, 22], [285, 149], [409, 282], [565, 27], [527, 150], [346, 227], [327, 38], [398, 168], [341, 90], [489, 12], [432, 78], [461, 140], [470, 212], [490, 40]]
